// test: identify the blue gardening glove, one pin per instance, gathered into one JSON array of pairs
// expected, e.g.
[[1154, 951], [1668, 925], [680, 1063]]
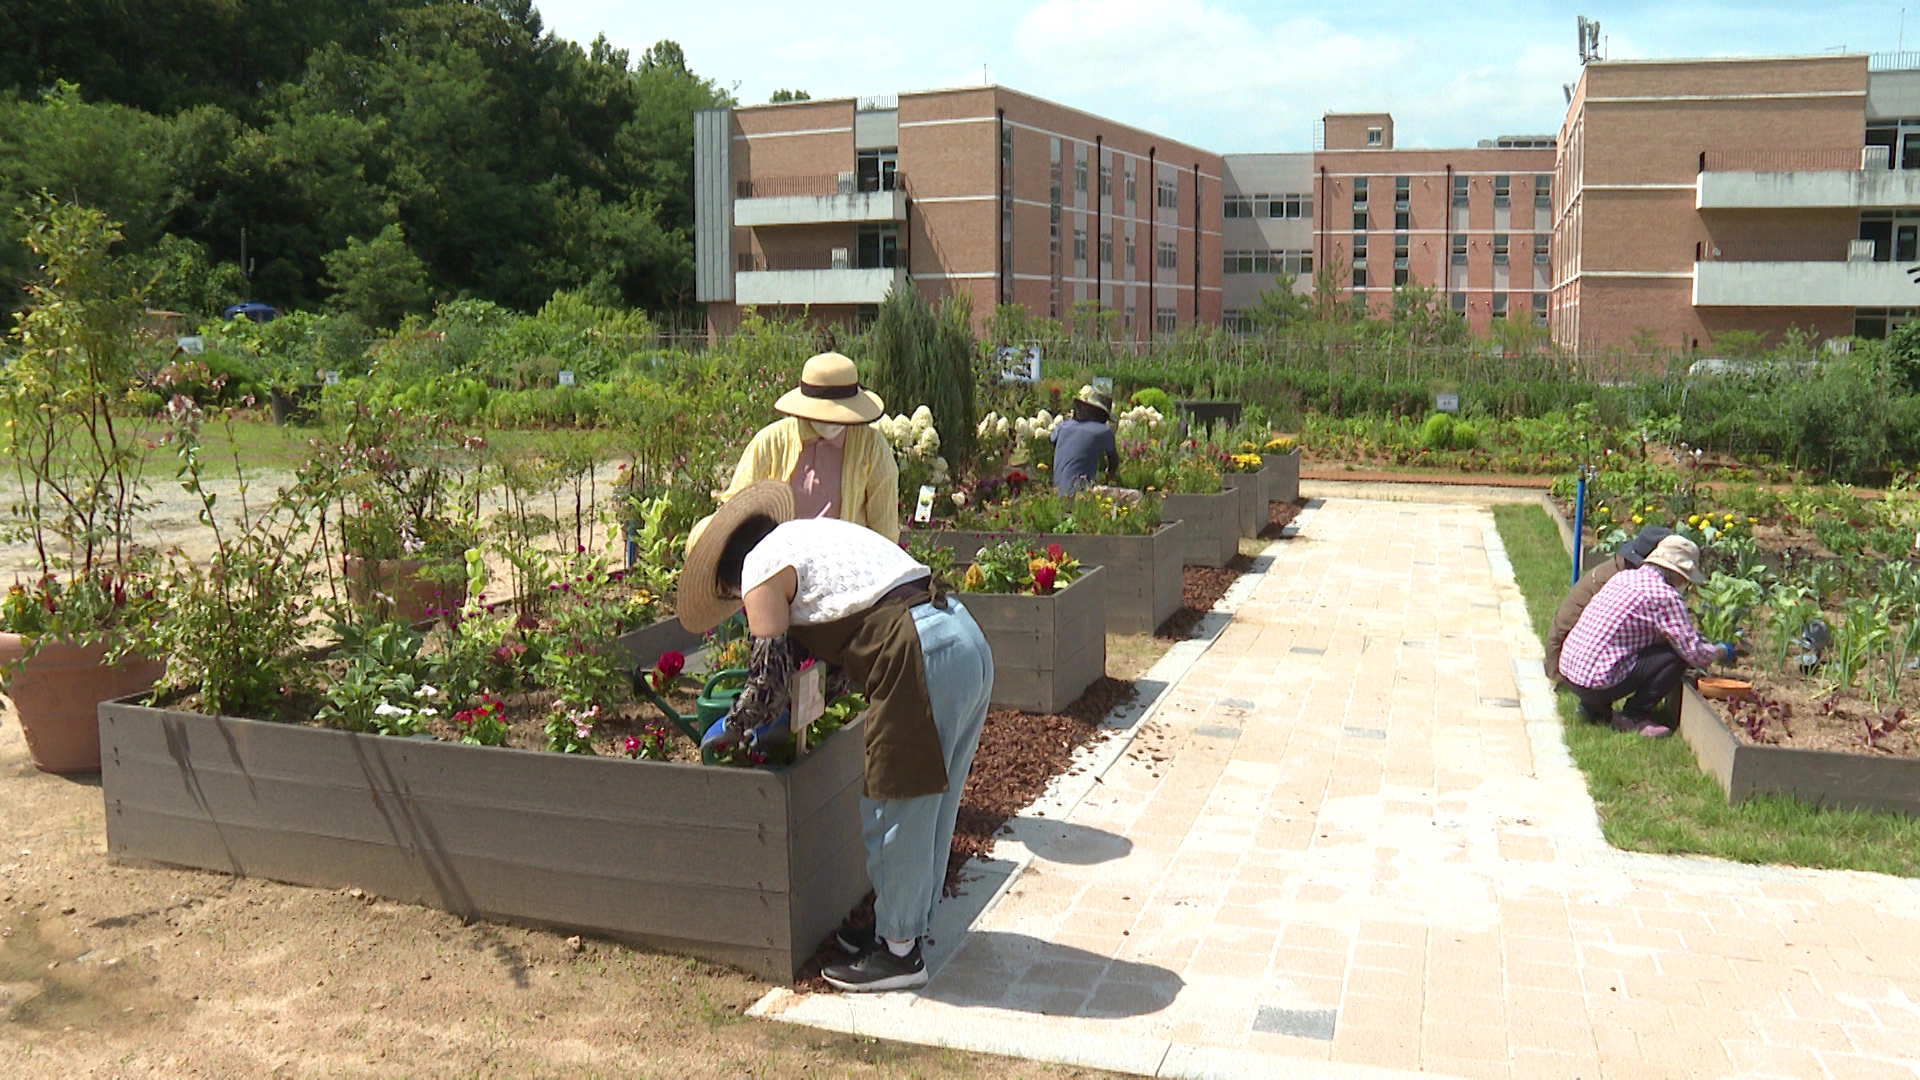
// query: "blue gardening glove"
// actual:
[[1728, 650], [718, 739]]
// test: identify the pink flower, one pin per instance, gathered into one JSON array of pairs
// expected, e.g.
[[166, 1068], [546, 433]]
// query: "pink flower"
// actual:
[[1043, 579], [630, 744], [1055, 552]]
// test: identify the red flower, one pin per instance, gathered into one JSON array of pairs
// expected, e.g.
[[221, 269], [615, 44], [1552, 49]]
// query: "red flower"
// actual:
[[1055, 552], [1043, 579], [670, 664]]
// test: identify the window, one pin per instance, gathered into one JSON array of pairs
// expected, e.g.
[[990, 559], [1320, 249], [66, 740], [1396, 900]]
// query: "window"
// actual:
[[1400, 275], [1106, 248], [1359, 273], [1106, 180], [1266, 262], [876, 247], [1360, 246], [1499, 305], [1235, 323], [1360, 220], [1503, 191], [1238, 206], [1129, 185], [1402, 221], [1402, 192], [1540, 242], [1539, 309], [1543, 192], [1499, 249], [1169, 255], [1079, 176], [1459, 303], [1006, 146], [1459, 249], [1053, 243], [1460, 192], [1400, 250], [874, 170], [1164, 321], [1359, 192], [1079, 245], [1373, 136], [1130, 259], [1168, 195]]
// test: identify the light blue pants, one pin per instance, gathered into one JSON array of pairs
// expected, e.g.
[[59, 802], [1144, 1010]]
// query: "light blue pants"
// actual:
[[907, 839]]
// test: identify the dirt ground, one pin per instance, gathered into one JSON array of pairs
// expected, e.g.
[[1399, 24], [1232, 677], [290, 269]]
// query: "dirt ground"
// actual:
[[110, 969], [1796, 713]]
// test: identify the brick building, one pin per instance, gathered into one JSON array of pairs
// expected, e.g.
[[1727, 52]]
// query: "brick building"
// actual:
[[1696, 197], [824, 206], [1471, 222]]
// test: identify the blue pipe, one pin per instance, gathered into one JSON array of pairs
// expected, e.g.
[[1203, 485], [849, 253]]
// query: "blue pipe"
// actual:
[[1579, 520]]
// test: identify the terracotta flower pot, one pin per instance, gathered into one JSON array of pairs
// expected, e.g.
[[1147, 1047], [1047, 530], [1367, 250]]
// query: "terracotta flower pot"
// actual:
[[397, 586], [57, 695]]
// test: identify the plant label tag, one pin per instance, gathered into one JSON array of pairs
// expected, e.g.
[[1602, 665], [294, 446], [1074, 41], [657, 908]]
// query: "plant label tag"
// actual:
[[1447, 402], [566, 378], [1103, 383], [923, 510], [808, 701], [333, 378]]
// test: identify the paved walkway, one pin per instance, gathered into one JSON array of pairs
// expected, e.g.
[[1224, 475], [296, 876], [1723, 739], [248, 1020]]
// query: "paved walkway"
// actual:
[[1349, 842]]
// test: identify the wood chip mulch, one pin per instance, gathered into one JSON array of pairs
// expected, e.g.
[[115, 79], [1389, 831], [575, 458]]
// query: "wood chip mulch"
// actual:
[[1279, 516], [1203, 588], [1019, 754]]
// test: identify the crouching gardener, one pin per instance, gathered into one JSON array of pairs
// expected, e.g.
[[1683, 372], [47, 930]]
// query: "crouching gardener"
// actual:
[[855, 600], [1635, 640], [1631, 554]]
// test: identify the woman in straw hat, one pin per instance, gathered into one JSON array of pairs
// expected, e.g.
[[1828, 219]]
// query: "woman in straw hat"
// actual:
[[1082, 445], [826, 450], [855, 600], [1635, 640]]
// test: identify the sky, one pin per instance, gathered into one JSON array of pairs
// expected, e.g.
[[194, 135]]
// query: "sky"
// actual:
[[1230, 76]]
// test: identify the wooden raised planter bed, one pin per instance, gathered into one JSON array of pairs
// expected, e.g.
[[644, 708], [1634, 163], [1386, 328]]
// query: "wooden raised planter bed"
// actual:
[[647, 643], [1213, 525], [1144, 580], [1821, 777], [746, 867], [1252, 488], [1283, 476], [1046, 649]]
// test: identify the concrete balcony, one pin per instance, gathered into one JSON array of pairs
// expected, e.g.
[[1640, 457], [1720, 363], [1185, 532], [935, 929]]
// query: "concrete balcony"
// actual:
[[1799, 182], [1803, 284], [798, 287], [818, 200]]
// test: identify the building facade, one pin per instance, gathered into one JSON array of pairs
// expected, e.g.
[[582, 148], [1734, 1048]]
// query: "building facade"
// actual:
[[1266, 230], [1757, 195], [823, 207]]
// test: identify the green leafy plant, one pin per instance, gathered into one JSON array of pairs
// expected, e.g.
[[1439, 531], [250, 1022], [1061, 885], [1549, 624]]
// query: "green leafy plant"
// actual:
[[1010, 567], [1722, 605]]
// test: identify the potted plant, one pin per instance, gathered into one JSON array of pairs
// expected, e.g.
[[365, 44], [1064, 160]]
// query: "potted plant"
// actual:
[[79, 470], [407, 514]]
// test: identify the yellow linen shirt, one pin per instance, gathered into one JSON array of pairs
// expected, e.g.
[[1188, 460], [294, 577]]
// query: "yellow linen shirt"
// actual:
[[869, 478]]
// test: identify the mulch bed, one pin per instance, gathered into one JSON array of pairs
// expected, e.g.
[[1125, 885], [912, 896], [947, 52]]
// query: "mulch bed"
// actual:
[[1202, 588], [1279, 516], [1019, 754]]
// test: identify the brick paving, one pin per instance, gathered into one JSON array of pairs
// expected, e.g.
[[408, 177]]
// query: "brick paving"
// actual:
[[1349, 842]]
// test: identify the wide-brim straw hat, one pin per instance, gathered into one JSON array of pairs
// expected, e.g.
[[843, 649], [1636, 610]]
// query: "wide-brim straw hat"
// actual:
[[830, 392], [1095, 397], [1680, 555], [701, 607]]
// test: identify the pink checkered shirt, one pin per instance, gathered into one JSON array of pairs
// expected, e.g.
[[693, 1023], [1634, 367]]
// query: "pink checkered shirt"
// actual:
[[1633, 610]]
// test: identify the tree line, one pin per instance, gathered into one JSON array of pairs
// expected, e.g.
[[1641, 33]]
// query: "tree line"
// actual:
[[371, 156]]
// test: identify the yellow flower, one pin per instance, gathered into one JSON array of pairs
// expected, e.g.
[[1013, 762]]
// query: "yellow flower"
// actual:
[[1693, 519], [974, 579], [1636, 519], [1753, 521]]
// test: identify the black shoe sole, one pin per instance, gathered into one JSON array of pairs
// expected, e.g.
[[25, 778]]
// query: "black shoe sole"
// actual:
[[906, 980]]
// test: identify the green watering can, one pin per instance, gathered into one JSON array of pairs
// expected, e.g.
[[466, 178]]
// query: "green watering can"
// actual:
[[708, 708]]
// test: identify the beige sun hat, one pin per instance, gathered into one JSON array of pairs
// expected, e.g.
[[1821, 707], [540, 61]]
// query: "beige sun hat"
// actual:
[[1095, 397], [1680, 555], [701, 607], [830, 392]]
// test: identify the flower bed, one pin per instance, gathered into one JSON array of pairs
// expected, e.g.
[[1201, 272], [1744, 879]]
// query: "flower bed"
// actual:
[[1213, 525], [1822, 777], [1047, 649], [1142, 586], [1283, 476], [747, 867]]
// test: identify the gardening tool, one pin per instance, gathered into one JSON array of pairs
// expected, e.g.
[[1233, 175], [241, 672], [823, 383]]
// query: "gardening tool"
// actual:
[[1812, 643], [709, 707]]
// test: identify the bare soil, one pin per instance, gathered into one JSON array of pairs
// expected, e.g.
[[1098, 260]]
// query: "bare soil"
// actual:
[[1797, 713], [116, 969]]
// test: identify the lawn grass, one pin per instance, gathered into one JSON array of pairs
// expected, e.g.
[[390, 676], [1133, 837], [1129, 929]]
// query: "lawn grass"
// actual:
[[1651, 794]]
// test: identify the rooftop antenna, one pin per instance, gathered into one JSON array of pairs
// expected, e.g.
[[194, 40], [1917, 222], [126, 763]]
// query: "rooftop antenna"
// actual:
[[1589, 38]]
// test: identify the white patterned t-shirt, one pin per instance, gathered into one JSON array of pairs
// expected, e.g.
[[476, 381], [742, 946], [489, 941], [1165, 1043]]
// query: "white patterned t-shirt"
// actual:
[[842, 567]]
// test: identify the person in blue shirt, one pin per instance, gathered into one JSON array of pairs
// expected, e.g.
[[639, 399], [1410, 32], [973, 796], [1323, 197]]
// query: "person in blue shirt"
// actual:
[[1084, 443]]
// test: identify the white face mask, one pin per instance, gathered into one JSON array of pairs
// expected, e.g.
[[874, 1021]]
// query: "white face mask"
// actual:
[[827, 431]]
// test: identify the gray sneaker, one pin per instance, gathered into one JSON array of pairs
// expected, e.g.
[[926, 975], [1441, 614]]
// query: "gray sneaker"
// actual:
[[878, 970]]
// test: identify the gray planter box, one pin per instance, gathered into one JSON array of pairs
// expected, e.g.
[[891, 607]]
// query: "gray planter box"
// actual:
[[1253, 500], [1283, 477], [746, 867], [1213, 525], [1821, 777], [1143, 588], [647, 643], [1046, 649]]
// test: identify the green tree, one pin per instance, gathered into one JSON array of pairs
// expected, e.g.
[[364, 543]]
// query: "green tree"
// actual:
[[919, 355], [1278, 308], [782, 96], [378, 280]]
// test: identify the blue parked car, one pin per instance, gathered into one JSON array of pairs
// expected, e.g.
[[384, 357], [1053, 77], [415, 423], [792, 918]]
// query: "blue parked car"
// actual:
[[253, 310]]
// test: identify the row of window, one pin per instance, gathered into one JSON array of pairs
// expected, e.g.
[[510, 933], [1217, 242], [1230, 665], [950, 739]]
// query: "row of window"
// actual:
[[1168, 257], [1268, 206], [1501, 247], [1297, 263], [1240, 323]]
